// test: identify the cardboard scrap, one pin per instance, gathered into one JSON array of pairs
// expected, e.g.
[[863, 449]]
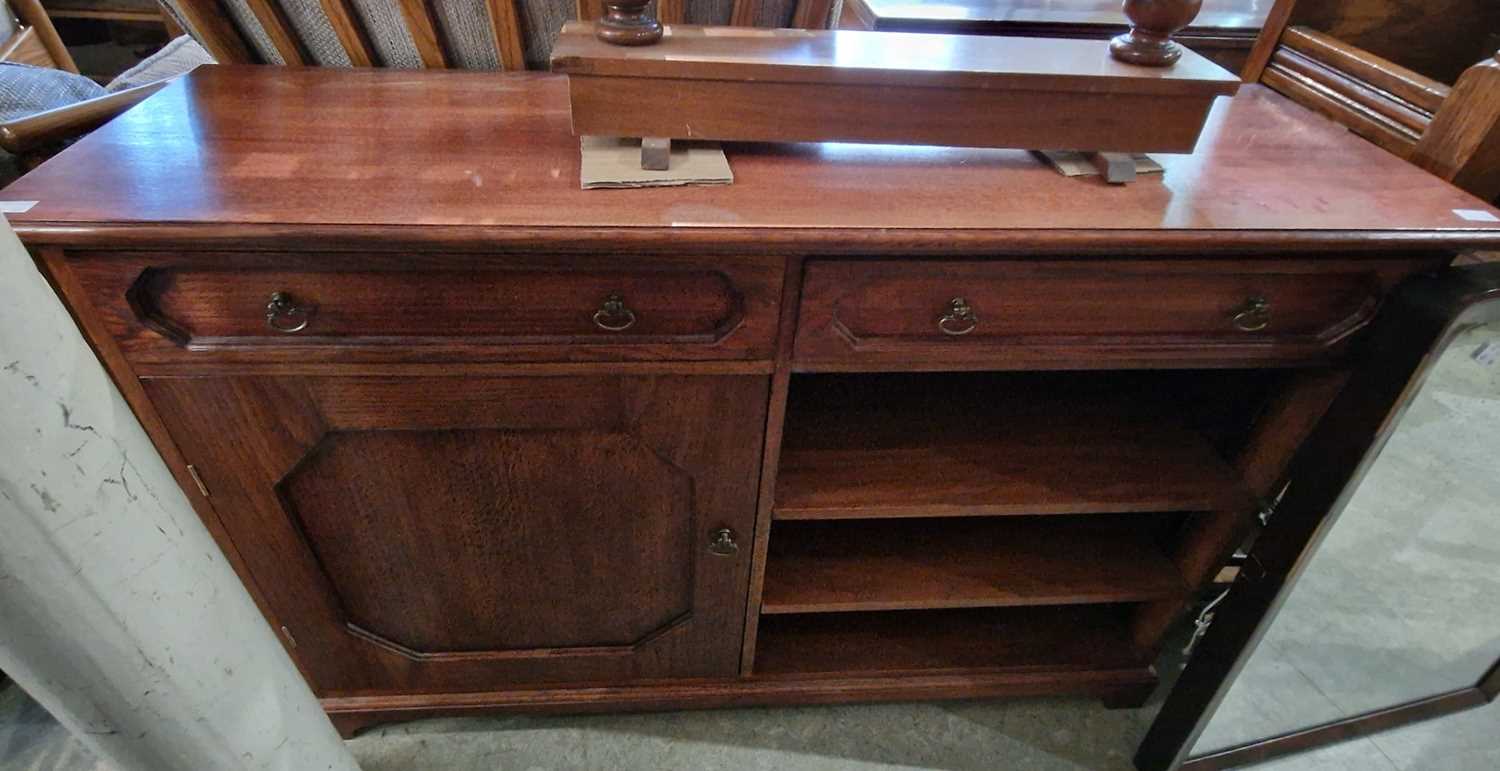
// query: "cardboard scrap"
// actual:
[[615, 162]]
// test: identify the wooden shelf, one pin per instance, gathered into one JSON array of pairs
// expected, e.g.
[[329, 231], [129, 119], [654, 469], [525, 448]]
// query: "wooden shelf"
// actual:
[[982, 451], [1076, 638], [817, 567]]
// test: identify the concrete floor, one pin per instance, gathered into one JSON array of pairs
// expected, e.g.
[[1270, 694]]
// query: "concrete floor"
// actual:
[[1402, 602]]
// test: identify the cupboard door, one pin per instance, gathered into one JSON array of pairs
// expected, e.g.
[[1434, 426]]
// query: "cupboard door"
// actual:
[[465, 534]]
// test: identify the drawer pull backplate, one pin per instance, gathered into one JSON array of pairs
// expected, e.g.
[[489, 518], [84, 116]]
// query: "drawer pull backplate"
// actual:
[[1253, 316], [614, 316], [284, 315], [960, 318]]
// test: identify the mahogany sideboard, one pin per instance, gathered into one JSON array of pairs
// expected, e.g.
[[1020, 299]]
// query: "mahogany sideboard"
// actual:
[[870, 423]]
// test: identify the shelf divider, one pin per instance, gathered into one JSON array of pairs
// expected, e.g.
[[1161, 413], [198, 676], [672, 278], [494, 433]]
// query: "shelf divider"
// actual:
[[1045, 454], [824, 567], [1083, 638]]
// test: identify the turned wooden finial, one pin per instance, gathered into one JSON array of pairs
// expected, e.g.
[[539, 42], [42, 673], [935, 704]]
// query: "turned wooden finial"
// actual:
[[628, 23], [1152, 24]]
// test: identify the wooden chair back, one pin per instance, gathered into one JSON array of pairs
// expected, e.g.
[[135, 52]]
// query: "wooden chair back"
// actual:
[[1453, 132], [801, 14], [35, 40], [469, 34], [360, 33]]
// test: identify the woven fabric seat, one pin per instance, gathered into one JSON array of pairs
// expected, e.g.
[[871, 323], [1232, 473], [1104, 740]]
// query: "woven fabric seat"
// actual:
[[467, 34]]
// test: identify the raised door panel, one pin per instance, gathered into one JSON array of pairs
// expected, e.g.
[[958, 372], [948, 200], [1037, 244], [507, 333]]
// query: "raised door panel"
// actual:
[[445, 534]]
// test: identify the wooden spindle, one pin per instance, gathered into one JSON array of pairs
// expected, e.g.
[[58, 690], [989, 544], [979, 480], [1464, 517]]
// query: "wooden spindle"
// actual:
[[1152, 24], [628, 23]]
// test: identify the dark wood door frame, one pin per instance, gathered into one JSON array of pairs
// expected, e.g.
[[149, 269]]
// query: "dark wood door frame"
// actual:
[[1356, 726], [1421, 317]]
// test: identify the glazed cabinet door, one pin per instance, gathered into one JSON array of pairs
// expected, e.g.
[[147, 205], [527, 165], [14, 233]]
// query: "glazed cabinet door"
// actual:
[[430, 534]]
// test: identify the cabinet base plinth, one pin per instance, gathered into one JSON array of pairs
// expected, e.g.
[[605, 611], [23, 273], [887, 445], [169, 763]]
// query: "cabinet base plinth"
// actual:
[[352, 714]]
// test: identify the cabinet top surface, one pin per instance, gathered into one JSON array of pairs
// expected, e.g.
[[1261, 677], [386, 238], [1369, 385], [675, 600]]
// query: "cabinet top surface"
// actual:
[[849, 57], [305, 149]]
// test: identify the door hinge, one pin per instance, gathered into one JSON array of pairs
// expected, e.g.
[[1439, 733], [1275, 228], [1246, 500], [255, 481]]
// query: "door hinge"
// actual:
[[193, 472], [287, 633], [1201, 624], [1268, 508]]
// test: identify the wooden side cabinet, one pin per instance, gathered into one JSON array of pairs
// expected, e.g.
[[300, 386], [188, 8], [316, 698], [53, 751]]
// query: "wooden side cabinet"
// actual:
[[869, 424]]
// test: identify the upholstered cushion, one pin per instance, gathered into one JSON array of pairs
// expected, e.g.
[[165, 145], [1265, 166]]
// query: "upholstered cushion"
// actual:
[[465, 28], [27, 90], [176, 57]]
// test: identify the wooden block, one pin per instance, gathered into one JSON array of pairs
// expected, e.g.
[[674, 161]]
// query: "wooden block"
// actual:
[[656, 153], [1116, 168], [800, 85]]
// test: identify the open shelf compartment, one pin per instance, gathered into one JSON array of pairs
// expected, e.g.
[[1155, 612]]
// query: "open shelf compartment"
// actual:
[[1081, 638], [986, 444], [822, 567]]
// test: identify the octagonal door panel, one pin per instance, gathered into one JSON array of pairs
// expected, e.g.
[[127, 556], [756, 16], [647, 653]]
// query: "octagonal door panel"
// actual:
[[460, 534]]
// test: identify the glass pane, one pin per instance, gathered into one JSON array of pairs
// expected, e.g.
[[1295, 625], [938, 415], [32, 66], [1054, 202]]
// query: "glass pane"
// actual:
[[1402, 600]]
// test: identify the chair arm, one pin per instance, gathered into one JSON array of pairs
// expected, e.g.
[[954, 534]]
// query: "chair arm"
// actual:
[[24, 134], [1462, 144]]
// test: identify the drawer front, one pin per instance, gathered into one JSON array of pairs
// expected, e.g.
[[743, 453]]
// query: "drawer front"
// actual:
[[1081, 314], [318, 307]]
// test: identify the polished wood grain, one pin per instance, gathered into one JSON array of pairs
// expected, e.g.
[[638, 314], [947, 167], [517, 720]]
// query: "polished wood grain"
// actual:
[[505, 25], [492, 549], [52, 264], [743, 108], [1462, 144], [918, 564], [1388, 104], [32, 14], [354, 713], [1056, 638], [1377, 99], [1277, 19], [770, 459], [422, 26], [514, 180], [385, 598], [1152, 25], [796, 85], [1438, 38], [1424, 93], [919, 446], [889, 314], [1421, 317], [895, 59], [455, 361], [25, 47], [1282, 426], [627, 23], [1206, 542], [197, 309]]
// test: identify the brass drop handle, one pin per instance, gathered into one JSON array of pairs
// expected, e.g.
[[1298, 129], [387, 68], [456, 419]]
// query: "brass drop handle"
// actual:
[[721, 542], [284, 315], [613, 316], [960, 318], [1253, 316]]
